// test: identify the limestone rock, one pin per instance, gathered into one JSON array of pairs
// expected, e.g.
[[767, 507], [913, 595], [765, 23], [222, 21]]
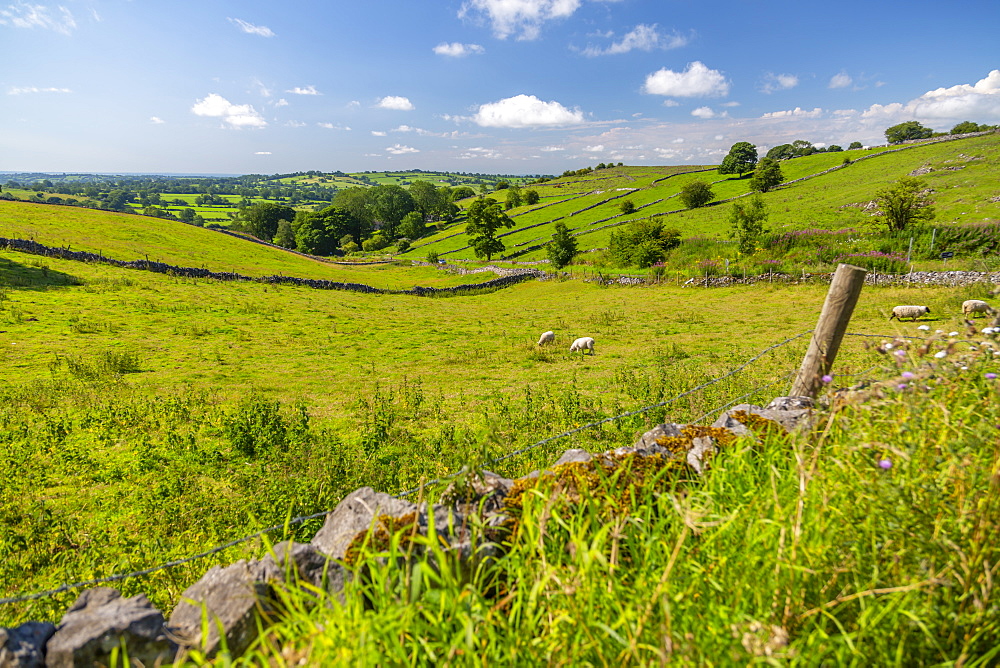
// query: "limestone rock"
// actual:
[[232, 597], [572, 456], [789, 420], [309, 566], [24, 646], [356, 513], [101, 621]]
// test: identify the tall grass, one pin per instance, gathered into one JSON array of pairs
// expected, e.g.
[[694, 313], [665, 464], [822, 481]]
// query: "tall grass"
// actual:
[[871, 539]]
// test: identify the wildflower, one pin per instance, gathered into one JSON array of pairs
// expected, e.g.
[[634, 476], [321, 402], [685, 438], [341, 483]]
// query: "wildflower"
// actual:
[[888, 346], [941, 354], [900, 354], [885, 463], [827, 378], [924, 327], [953, 334], [965, 368], [901, 387], [939, 331], [988, 330], [991, 376], [907, 374]]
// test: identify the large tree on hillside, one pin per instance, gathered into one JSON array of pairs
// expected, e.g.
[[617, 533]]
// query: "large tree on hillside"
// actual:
[[485, 217], [906, 131], [742, 158]]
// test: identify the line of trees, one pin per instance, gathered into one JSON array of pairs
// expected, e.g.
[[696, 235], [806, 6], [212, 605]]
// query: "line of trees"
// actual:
[[359, 218]]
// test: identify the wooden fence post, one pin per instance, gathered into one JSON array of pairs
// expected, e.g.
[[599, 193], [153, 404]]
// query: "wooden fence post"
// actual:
[[845, 288]]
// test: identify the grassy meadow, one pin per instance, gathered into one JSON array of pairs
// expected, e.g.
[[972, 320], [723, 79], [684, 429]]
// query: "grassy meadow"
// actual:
[[146, 417]]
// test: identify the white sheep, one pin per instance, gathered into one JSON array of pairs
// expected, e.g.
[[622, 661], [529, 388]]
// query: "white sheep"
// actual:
[[583, 344], [908, 312], [972, 306], [547, 337]]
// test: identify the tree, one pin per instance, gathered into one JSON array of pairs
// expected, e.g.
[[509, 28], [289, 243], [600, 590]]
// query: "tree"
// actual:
[[355, 201], [388, 205], [461, 192], [968, 126], [562, 248], [904, 203], [906, 131], [746, 223], [642, 243], [531, 197], [767, 176], [695, 194], [741, 159], [412, 226], [285, 236], [627, 206], [261, 219], [855, 145], [485, 216], [514, 198], [834, 148]]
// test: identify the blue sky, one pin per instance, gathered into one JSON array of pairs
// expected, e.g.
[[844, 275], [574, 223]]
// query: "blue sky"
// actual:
[[498, 86]]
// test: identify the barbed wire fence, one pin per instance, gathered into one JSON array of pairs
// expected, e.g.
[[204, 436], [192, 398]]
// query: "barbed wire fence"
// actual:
[[783, 378]]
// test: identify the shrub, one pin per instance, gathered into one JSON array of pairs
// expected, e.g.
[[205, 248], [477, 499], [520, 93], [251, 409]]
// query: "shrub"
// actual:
[[627, 206], [374, 243], [432, 256], [254, 427], [695, 194], [642, 243]]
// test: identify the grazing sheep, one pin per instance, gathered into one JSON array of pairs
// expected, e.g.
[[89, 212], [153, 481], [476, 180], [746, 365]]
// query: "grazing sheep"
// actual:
[[908, 312], [547, 337], [973, 306], [583, 344]]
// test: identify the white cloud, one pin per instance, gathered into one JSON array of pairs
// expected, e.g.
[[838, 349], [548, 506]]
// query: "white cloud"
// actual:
[[593, 149], [980, 101], [262, 153], [477, 152], [251, 29], [332, 126], [775, 82], [378, 133], [696, 81], [796, 112], [156, 120], [304, 90], [708, 112], [525, 16], [395, 102], [841, 80], [679, 140], [399, 149], [26, 15], [671, 103], [549, 149], [403, 128], [643, 38], [236, 115], [296, 124], [281, 103], [731, 103], [27, 90], [525, 111], [457, 49]]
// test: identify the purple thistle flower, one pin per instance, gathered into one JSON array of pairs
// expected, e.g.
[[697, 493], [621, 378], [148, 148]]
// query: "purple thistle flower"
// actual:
[[901, 386], [907, 374], [885, 463], [990, 376], [827, 378]]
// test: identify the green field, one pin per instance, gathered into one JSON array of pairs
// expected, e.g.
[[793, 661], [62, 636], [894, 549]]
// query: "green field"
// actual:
[[145, 417]]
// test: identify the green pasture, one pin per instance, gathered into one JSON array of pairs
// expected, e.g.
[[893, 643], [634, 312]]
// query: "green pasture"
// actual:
[[127, 384], [963, 176], [129, 237]]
